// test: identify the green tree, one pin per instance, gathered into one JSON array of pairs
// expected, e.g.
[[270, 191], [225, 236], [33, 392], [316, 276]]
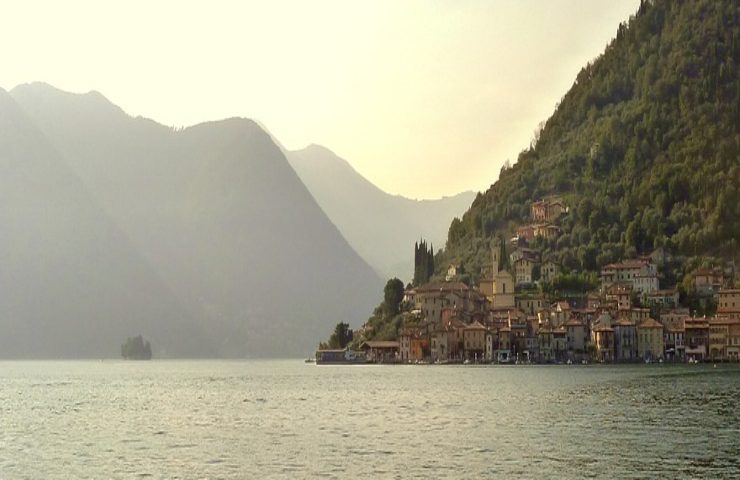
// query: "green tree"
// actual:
[[135, 348], [341, 337], [393, 296]]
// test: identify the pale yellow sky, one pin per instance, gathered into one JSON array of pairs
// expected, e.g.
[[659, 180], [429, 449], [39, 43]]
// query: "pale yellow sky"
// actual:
[[424, 98]]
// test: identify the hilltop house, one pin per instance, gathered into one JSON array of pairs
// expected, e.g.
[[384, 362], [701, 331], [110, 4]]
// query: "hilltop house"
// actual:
[[547, 210], [708, 282], [640, 274]]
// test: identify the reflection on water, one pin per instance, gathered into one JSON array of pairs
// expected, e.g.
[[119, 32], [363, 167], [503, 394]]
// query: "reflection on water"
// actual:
[[221, 419]]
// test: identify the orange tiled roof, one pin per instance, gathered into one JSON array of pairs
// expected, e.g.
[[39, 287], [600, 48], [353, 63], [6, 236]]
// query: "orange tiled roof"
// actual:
[[650, 323]]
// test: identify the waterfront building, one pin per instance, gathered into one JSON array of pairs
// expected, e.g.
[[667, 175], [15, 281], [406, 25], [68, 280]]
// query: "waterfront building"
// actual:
[[625, 340], [413, 343], [440, 344], [721, 337], [546, 344], [381, 351], [503, 348], [575, 339], [650, 344], [696, 338], [733, 342], [474, 341], [559, 343], [491, 341], [602, 338], [674, 341]]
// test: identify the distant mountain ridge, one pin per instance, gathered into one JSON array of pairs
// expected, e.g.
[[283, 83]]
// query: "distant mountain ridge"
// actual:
[[71, 283], [219, 215], [381, 227]]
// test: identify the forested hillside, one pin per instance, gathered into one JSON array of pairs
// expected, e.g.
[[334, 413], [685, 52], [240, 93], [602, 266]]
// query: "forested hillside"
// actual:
[[644, 149]]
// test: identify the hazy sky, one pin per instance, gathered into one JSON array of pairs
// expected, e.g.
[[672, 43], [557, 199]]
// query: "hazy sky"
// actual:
[[424, 98]]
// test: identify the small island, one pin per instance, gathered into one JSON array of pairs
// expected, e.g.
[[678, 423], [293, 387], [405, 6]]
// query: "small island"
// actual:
[[136, 348]]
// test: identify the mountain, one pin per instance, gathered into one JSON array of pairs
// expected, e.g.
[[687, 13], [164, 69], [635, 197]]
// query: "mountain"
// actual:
[[382, 228], [643, 149], [221, 217], [71, 282]]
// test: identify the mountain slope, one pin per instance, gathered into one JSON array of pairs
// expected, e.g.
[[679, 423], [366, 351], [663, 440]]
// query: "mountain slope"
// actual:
[[381, 227], [220, 214], [71, 283], [644, 148]]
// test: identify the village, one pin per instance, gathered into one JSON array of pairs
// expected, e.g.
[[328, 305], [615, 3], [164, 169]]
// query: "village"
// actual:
[[502, 319]]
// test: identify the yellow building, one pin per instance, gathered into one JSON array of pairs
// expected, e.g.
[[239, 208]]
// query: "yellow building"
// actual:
[[650, 343], [499, 288], [474, 341], [723, 340], [729, 303]]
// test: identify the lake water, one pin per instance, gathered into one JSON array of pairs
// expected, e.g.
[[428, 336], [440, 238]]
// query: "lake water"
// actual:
[[287, 419]]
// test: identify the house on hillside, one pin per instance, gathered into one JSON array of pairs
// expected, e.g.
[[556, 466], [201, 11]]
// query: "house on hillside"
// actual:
[[546, 230], [524, 270], [708, 282], [548, 210], [729, 303], [667, 298], [640, 274], [549, 270]]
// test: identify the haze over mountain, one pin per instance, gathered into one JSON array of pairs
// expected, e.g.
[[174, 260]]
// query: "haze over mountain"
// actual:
[[71, 282], [221, 217], [381, 227]]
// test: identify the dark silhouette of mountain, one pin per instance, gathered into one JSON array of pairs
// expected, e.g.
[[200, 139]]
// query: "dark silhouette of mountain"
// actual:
[[643, 148], [220, 215], [71, 283], [381, 227]]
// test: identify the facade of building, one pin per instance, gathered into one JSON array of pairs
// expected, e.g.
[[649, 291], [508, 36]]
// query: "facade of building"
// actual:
[[667, 298], [696, 338], [602, 337], [548, 271], [674, 342], [708, 282], [530, 304], [650, 344], [474, 341], [547, 210], [524, 269], [625, 340], [640, 274], [728, 304]]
